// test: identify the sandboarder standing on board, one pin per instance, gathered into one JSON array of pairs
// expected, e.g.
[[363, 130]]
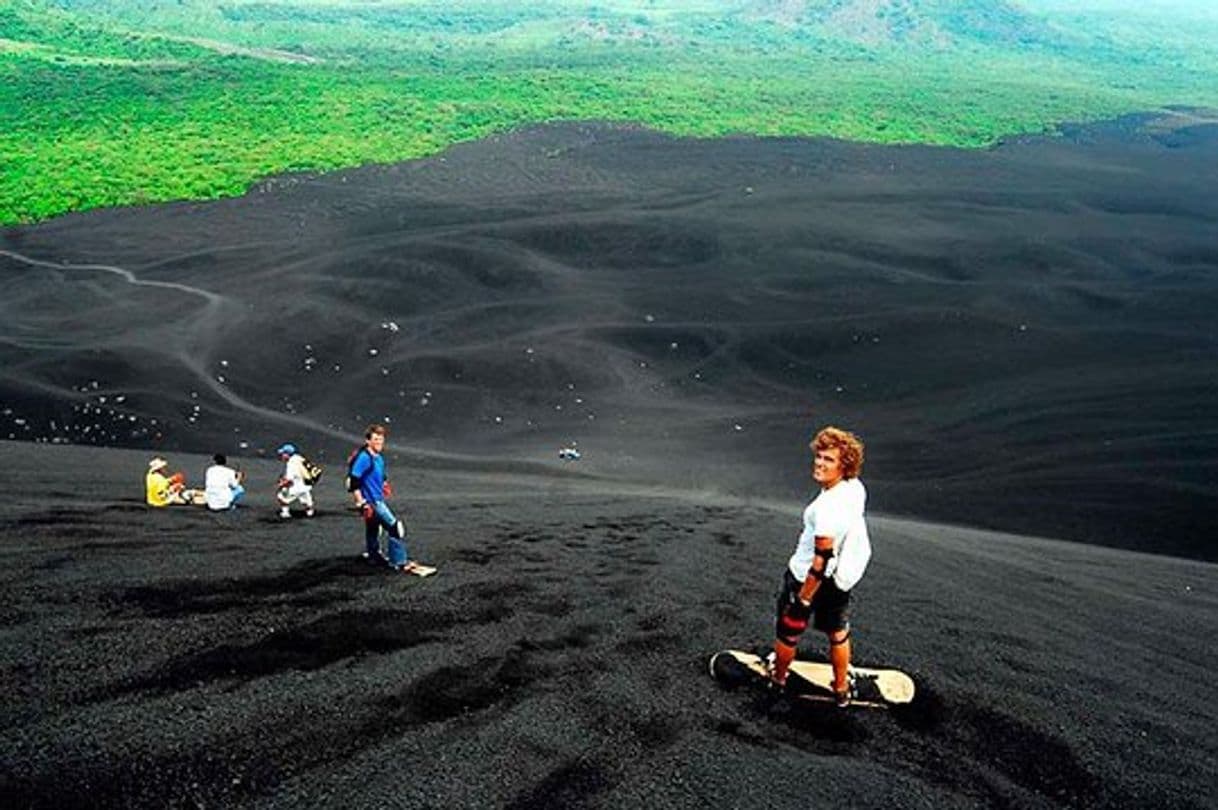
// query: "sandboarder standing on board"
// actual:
[[829, 559], [368, 469]]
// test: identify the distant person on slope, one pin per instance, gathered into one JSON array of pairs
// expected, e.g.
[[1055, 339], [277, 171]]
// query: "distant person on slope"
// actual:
[[293, 484], [222, 485], [167, 490], [368, 471], [830, 556]]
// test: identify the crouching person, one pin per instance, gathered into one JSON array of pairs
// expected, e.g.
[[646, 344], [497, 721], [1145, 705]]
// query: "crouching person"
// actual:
[[293, 484]]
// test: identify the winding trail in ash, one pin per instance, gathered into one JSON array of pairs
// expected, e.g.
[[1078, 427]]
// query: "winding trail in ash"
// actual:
[[214, 302], [213, 299]]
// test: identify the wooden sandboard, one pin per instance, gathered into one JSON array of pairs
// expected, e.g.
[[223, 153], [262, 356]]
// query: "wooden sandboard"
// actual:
[[813, 680]]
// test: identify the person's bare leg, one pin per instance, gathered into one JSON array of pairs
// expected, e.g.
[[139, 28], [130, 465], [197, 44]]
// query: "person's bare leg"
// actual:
[[839, 657], [784, 654]]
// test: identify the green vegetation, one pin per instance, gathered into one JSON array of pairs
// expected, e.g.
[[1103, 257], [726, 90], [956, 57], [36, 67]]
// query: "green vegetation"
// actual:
[[116, 102]]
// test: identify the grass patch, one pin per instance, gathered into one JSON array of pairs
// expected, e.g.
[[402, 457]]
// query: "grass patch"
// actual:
[[108, 103]]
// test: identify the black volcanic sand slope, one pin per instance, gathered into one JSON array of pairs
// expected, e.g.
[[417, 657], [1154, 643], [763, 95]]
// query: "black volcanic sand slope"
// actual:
[[181, 659], [1024, 335]]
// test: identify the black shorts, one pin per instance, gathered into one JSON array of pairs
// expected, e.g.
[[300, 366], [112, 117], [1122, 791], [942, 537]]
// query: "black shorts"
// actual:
[[830, 604]]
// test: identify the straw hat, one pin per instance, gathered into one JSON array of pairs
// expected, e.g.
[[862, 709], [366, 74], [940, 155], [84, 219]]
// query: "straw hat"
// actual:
[[157, 463]]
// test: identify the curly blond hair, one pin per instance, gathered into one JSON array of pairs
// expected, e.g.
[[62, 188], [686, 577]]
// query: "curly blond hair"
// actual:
[[849, 446]]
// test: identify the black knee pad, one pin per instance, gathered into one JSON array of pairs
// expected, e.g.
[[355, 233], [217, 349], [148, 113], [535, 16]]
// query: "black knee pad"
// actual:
[[840, 641], [792, 622]]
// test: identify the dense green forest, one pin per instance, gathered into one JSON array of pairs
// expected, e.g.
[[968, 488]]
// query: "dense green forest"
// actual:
[[115, 102]]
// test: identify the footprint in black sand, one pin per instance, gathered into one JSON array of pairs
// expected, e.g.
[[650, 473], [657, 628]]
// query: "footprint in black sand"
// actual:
[[957, 742], [187, 597], [457, 691], [311, 646], [474, 556], [574, 784], [1029, 757]]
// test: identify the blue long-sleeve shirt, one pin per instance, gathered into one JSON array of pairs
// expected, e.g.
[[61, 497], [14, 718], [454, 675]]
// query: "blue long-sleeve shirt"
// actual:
[[369, 469]]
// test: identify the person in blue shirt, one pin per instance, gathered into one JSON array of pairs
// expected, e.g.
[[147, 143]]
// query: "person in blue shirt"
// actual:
[[372, 490]]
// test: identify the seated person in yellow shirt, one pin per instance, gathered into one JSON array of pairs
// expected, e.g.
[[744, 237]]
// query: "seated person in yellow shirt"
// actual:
[[168, 490]]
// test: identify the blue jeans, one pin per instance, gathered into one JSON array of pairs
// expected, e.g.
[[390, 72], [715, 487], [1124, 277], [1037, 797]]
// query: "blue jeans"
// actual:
[[382, 515]]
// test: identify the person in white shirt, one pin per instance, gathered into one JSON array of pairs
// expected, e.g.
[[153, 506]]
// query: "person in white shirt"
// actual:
[[292, 486], [222, 487], [830, 557]]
